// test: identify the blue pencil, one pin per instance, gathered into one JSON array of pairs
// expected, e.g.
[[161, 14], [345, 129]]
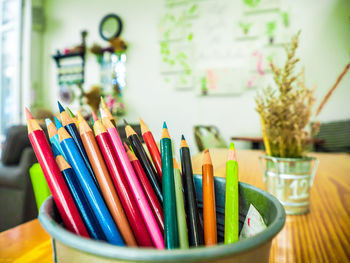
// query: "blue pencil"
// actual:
[[72, 129], [87, 184], [51, 128], [90, 221]]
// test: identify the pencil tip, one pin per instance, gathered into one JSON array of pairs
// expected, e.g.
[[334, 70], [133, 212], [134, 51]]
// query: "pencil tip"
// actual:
[[126, 146], [102, 113], [125, 122], [28, 114], [60, 107], [103, 102], [71, 114], [232, 146], [183, 137], [47, 121], [94, 116], [58, 124], [165, 126]]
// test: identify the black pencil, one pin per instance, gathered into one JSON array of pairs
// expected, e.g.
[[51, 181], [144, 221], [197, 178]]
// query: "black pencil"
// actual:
[[194, 224], [145, 161]]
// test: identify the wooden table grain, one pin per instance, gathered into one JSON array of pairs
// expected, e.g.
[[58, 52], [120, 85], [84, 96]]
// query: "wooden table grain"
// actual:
[[323, 235]]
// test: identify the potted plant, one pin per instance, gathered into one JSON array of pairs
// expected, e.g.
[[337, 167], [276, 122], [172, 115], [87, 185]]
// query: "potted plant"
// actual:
[[286, 112]]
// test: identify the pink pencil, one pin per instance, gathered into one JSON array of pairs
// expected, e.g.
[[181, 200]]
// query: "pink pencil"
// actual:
[[145, 209]]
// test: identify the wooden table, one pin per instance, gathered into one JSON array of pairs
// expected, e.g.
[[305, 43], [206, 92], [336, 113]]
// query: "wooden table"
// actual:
[[323, 235]]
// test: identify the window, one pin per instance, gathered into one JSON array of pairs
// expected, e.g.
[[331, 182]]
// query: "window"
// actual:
[[10, 54]]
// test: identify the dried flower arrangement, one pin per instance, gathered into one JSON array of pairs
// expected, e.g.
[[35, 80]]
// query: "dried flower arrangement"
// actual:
[[286, 112]]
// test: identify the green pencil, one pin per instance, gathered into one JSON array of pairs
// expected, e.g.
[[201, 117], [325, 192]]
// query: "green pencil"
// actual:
[[168, 186], [180, 208], [231, 198]]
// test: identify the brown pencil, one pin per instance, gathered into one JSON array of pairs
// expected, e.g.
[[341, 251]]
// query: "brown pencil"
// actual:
[[209, 211], [105, 182]]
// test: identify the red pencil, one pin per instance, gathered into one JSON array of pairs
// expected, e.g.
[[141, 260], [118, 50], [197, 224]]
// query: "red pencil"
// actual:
[[61, 195], [147, 188], [152, 147], [121, 184]]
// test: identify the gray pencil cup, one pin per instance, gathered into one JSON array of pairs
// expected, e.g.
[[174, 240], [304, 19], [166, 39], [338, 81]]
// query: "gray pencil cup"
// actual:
[[68, 247], [290, 180]]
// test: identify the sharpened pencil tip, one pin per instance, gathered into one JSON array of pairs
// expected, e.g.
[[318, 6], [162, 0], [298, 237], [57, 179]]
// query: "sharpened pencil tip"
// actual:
[[232, 146], [126, 146], [60, 107], [94, 115], [125, 122], [28, 114], [47, 121], [102, 113], [103, 103], [165, 126], [58, 124], [183, 137], [71, 114]]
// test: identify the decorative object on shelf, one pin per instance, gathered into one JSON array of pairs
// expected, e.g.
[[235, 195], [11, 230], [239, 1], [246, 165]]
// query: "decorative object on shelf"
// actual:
[[286, 114], [71, 71], [92, 97], [112, 60]]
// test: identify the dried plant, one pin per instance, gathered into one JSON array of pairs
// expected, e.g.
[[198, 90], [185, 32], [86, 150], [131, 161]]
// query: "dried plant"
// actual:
[[286, 111]]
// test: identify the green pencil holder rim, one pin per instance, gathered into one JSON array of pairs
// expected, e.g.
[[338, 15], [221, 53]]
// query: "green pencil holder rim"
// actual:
[[106, 250]]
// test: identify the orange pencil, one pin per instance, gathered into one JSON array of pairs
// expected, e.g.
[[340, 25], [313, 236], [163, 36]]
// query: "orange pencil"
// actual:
[[105, 182], [209, 211]]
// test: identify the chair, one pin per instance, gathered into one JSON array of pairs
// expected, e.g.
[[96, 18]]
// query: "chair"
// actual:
[[336, 136], [17, 202], [208, 137]]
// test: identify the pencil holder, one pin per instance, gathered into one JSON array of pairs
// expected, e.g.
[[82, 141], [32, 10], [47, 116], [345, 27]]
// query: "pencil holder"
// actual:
[[290, 180], [68, 247]]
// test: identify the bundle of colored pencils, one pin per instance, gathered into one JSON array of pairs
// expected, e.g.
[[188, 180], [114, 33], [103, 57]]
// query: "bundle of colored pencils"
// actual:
[[118, 193]]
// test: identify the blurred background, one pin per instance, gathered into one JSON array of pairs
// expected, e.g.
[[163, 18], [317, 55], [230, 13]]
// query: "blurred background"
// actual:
[[197, 64]]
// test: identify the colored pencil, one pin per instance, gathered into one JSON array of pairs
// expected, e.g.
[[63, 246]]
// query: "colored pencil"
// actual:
[[145, 161], [194, 224], [86, 182], [52, 131], [121, 184], [74, 118], [180, 208], [147, 188], [61, 195], [152, 147], [105, 182], [91, 223], [106, 111], [168, 185], [145, 209], [231, 198], [72, 129], [209, 210], [94, 116]]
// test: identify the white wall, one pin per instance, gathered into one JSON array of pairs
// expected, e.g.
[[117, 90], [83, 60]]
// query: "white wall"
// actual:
[[324, 50]]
